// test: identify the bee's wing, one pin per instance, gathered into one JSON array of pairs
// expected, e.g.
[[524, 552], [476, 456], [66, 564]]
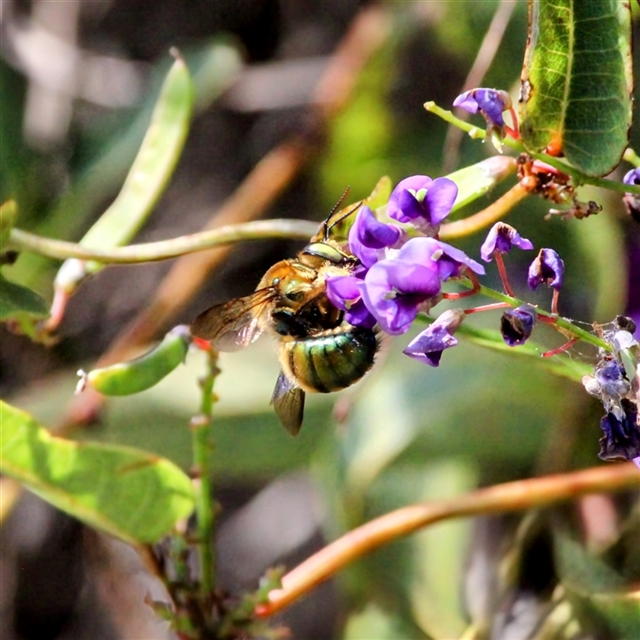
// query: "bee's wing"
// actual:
[[234, 324], [288, 402]]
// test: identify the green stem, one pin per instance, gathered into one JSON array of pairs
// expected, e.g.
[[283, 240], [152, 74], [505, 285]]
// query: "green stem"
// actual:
[[632, 157], [578, 176], [559, 321], [164, 249], [201, 429]]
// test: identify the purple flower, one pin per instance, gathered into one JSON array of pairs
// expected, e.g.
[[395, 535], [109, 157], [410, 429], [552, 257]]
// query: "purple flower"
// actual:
[[395, 290], [344, 292], [428, 346], [621, 437], [490, 102], [517, 324], [368, 237], [423, 202], [548, 267], [501, 238]]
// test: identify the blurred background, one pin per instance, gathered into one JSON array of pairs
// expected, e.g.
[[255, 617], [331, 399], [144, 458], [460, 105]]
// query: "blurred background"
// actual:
[[346, 81]]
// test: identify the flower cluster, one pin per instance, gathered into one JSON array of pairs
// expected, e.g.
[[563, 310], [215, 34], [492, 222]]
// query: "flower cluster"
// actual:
[[402, 268], [403, 264], [615, 382]]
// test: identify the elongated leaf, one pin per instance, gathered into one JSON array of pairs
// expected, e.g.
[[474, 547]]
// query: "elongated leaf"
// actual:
[[478, 179], [8, 214], [148, 176], [16, 300], [128, 493], [577, 82]]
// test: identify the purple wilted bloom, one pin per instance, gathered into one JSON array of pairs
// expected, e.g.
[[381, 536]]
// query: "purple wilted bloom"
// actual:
[[428, 346], [612, 381], [621, 437], [548, 267], [501, 238], [344, 292], [517, 324], [423, 202], [491, 103], [368, 237]]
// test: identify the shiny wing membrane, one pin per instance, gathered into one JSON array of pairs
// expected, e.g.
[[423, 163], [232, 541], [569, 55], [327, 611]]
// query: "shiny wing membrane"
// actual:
[[234, 324], [288, 402]]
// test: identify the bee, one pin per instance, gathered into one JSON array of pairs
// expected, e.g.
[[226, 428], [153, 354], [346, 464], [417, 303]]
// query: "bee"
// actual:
[[318, 351]]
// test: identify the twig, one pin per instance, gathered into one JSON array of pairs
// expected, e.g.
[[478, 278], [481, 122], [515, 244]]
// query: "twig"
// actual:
[[165, 249], [512, 496]]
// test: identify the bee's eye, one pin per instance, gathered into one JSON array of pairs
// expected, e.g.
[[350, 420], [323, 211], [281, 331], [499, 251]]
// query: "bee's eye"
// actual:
[[295, 295], [275, 282]]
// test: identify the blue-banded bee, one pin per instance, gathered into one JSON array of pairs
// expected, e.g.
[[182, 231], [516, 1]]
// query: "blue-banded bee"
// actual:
[[318, 350]]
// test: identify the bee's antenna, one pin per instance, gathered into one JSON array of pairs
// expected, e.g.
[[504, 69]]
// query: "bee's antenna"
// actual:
[[329, 223], [340, 201]]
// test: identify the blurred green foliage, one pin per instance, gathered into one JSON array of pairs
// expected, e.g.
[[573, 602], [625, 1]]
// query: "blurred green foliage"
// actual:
[[410, 433]]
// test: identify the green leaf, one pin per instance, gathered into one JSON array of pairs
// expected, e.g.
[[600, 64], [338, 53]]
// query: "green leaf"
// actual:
[[147, 178], [122, 491], [577, 82], [16, 300], [478, 179]]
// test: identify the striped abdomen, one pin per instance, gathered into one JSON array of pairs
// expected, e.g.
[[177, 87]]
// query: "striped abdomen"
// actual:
[[330, 360]]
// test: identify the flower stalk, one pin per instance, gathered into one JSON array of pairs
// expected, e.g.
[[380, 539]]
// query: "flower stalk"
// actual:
[[201, 428], [578, 176]]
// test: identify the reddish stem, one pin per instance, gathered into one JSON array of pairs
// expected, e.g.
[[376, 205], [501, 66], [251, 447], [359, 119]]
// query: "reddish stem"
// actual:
[[562, 349], [513, 132], [554, 301], [503, 274], [488, 307]]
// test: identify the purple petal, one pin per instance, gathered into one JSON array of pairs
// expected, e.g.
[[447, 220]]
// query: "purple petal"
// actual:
[[632, 177], [360, 316], [448, 259], [368, 236], [395, 289], [440, 198], [490, 102], [621, 437], [501, 238], [467, 102], [428, 346], [373, 233], [548, 267], [403, 205], [343, 290], [516, 325]]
